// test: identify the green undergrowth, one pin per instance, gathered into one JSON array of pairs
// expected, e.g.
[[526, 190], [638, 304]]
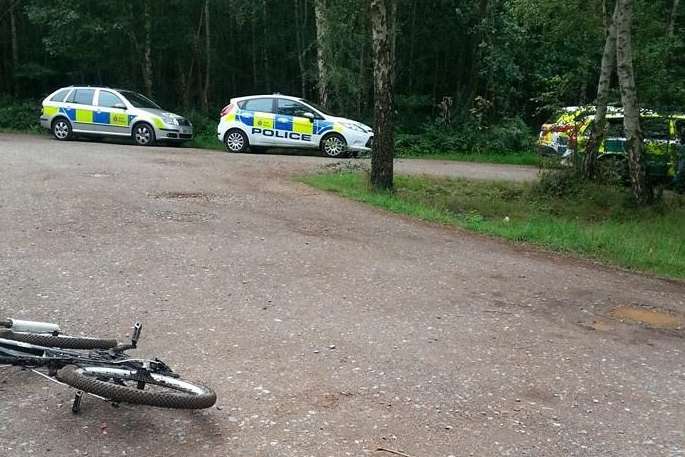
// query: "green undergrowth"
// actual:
[[592, 221]]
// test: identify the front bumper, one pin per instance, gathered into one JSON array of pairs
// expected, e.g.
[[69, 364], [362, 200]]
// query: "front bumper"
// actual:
[[360, 142], [45, 122], [173, 133]]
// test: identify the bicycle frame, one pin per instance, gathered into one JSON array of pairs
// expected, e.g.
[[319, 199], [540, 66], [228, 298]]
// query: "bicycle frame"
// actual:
[[28, 355]]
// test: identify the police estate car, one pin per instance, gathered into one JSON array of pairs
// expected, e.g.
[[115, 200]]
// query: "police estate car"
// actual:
[[280, 121], [102, 111]]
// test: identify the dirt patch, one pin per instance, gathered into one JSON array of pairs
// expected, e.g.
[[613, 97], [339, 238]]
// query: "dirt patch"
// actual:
[[184, 216], [185, 196], [650, 316]]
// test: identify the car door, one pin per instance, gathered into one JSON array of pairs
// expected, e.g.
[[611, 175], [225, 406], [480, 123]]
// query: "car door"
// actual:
[[258, 114], [80, 109], [614, 142], [656, 134], [293, 127], [111, 113]]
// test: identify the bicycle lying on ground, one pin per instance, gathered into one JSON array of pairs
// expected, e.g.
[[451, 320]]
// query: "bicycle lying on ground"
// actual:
[[98, 367]]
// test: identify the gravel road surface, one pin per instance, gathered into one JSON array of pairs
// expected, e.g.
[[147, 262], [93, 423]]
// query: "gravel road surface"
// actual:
[[327, 328]]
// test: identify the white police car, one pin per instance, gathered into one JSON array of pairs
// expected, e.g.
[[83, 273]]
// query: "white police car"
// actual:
[[280, 121], [106, 112]]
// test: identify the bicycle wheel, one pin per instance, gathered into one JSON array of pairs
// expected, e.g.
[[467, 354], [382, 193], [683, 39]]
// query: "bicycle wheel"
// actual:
[[127, 386], [60, 341]]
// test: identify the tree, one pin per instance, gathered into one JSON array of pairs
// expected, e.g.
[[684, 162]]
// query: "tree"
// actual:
[[322, 49], [208, 60], [384, 145], [13, 38], [147, 50], [599, 125], [672, 18], [631, 109]]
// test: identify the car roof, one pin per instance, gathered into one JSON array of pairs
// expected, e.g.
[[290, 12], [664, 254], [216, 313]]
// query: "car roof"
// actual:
[[250, 97]]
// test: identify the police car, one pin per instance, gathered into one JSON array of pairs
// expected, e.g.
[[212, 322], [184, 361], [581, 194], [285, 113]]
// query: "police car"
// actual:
[[280, 121], [102, 111]]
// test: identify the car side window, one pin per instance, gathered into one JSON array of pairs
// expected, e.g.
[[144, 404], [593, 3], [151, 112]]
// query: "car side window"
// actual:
[[108, 99], [262, 105], [291, 108], [82, 96], [60, 95], [655, 128], [615, 128]]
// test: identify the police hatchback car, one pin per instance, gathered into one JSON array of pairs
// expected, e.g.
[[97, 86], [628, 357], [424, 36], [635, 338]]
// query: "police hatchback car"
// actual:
[[280, 121], [102, 111]]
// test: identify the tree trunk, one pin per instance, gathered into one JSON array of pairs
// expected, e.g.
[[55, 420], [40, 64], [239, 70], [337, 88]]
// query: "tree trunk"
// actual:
[[384, 142], [412, 40], [300, 26], [322, 49], [15, 49], [208, 61], [362, 95], [254, 55], [631, 109], [393, 39], [599, 125], [671, 21], [265, 48], [147, 51]]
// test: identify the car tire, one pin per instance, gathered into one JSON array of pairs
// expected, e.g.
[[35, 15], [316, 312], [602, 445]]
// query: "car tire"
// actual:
[[61, 129], [143, 134], [334, 146], [236, 141]]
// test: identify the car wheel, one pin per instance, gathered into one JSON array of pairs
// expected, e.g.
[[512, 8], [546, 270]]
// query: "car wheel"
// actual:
[[143, 134], [334, 145], [236, 141], [61, 129]]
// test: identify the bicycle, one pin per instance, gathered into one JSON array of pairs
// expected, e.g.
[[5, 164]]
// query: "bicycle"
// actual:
[[98, 366]]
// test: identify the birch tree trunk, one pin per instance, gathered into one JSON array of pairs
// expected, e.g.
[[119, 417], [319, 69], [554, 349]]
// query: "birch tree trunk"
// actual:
[[599, 125], [147, 51], [208, 60], [384, 141], [322, 49], [631, 109]]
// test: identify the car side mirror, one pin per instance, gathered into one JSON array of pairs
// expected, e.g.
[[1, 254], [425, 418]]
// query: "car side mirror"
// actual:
[[119, 105], [309, 116]]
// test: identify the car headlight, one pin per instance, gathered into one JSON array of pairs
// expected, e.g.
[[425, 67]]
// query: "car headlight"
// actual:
[[352, 126], [170, 120]]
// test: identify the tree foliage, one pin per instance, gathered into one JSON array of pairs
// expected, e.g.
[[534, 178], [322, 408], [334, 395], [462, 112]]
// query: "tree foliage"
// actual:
[[497, 59]]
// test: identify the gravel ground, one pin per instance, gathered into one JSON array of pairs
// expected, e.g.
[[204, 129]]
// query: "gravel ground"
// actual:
[[326, 327]]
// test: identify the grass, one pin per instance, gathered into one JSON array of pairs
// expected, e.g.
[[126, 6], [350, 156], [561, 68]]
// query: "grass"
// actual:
[[511, 158], [593, 221], [206, 141]]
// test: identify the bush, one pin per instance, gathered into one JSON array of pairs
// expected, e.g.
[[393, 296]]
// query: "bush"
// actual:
[[509, 135], [564, 182], [21, 115]]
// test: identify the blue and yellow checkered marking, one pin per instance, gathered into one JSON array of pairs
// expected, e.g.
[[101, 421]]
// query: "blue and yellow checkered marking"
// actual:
[[86, 116], [301, 125]]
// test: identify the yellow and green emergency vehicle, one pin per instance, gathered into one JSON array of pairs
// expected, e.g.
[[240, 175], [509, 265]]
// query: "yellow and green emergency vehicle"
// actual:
[[102, 111]]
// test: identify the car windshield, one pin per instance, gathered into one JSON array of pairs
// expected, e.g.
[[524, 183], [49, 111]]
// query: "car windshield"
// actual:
[[316, 107], [138, 100]]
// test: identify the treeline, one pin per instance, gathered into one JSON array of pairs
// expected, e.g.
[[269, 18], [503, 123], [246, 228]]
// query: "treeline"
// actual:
[[497, 60]]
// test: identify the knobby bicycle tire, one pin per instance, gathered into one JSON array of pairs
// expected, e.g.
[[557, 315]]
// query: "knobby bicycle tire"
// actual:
[[192, 396], [60, 341]]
